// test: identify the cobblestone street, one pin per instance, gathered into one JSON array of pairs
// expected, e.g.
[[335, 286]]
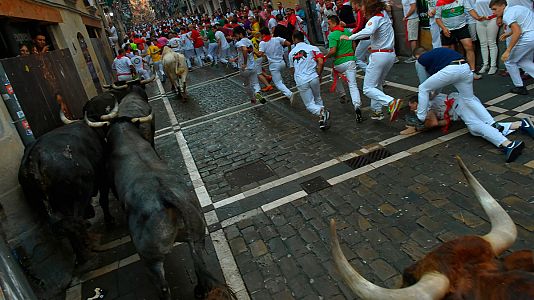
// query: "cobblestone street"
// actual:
[[269, 181]]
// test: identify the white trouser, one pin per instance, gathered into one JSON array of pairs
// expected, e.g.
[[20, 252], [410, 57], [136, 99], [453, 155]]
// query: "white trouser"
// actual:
[[224, 55], [199, 54], [362, 54], [189, 53], [258, 64], [458, 75], [349, 69], [378, 67], [435, 32], [487, 35], [522, 56], [276, 70], [310, 92], [142, 73], [158, 69], [212, 51], [478, 120], [250, 78], [286, 55]]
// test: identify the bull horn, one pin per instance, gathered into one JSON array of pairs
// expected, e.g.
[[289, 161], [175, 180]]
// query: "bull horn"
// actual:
[[94, 124], [119, 87], [114, 112], [106, 86], [503, 231], [431, 286], [64, 118], [148, 80], [142, 119]]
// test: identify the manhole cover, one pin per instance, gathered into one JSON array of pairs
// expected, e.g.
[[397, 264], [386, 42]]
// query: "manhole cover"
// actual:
[[371, 157], [314, 185], [248, 174]]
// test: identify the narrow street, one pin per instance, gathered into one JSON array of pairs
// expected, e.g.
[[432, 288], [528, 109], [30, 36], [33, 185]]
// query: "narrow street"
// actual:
[[269, 181]]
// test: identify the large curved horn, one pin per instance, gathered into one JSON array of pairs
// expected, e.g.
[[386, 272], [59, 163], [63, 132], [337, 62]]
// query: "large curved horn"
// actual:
[[64, 118], [94, 124], [112, 114], [143, 119], [503, 231], [431, 286], [119, 87], [107, 86], [148, 80]]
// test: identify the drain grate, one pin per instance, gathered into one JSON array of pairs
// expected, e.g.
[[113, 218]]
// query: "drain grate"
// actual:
[[369, 158], [248, 174], [314, 185]]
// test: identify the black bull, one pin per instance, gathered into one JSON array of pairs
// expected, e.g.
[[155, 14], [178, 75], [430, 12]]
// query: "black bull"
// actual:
[[158, 209]]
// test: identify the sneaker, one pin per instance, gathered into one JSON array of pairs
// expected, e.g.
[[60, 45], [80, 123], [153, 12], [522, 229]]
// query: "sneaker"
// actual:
[[527, 127], [492, 71], [520, 90], [267, 88], [410, 60], [269, 78], [253, 101], [377, 115], [413, 121], [396, 60], [498, 126], [476, 76], [484, 69], [359, 117], [260, 98], [343, 99], [513, 150], [323, 123], [394, 108], [292, 99]]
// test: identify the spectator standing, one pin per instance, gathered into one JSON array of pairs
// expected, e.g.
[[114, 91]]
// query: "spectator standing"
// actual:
[[411, 22], [280, 10], [435, 31], [487, 31]]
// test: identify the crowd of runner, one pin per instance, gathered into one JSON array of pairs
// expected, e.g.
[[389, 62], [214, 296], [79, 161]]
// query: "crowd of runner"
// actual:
[[357, 34]]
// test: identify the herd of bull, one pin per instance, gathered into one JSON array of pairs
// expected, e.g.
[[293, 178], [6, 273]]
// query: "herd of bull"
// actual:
[[113, 148]]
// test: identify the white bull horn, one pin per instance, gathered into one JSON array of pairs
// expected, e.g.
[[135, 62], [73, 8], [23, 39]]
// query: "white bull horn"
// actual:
[[112, 114], [143, 119], [431, 286], [503, 231], [148, 80], [106, 86], [64, 118], [119, 87], [94, 124]]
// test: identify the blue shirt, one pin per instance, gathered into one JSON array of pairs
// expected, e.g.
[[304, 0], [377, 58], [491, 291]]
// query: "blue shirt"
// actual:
[[437, 59]]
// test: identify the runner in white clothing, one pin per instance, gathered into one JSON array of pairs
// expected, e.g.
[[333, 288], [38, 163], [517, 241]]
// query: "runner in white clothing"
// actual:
[[306, 62], [138, 63], [123, 67], [380, 31], [520, 50], [273, 48]]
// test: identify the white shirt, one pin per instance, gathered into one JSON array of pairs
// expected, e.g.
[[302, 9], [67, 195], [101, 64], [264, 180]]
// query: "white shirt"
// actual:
[[380, 31], [273, 49], [279, 11], [187, 44], [303, 58], [137, 61], [525, 3], [244, 42], [122, 65], [523, 17], [174, 43], [113, 32], [271, 24], [482, 8], [469, 18], [219, 36], [453, 15], [406, 4]]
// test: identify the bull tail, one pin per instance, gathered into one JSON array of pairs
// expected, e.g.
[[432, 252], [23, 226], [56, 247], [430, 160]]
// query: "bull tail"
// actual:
[[208, 287]]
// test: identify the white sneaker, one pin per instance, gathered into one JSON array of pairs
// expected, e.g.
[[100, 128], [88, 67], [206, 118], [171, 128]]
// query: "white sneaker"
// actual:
[[476, 76], [492, 70], [292, 99], [484, 69]]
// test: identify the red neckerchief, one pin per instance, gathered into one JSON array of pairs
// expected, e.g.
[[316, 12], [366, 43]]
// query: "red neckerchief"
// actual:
[[448, 105], [266, 38], [338, 28], [444, 2], [379, 15], [120, 56]]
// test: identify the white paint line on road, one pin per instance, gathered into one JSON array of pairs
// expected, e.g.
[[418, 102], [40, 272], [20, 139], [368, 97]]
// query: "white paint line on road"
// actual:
[[505, 97], [287, 199], [220, 243], [74, 293], [163, 129], [525, 106], [163, 135], [497, 109], [115, 243]]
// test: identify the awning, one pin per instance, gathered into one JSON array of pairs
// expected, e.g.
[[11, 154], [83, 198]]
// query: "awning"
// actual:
[[91, 22], [30, 10]]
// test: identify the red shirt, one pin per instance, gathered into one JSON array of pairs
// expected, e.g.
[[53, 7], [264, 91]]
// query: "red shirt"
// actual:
[[140, 42], [197, 40]]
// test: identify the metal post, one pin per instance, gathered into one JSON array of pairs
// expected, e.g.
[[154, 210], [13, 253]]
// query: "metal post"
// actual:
[[13, 282]]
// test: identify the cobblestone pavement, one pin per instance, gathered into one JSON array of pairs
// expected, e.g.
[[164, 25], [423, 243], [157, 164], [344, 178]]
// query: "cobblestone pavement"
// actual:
[[269, 181]]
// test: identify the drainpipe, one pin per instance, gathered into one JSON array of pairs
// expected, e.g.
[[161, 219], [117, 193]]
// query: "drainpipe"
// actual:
[[13, 283]]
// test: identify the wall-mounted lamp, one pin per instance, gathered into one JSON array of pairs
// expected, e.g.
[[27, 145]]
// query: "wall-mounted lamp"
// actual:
[[111, 14]]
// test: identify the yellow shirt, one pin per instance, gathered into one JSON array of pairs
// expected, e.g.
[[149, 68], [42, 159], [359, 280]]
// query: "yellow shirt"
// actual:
[[154, 53], [256, 27]]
